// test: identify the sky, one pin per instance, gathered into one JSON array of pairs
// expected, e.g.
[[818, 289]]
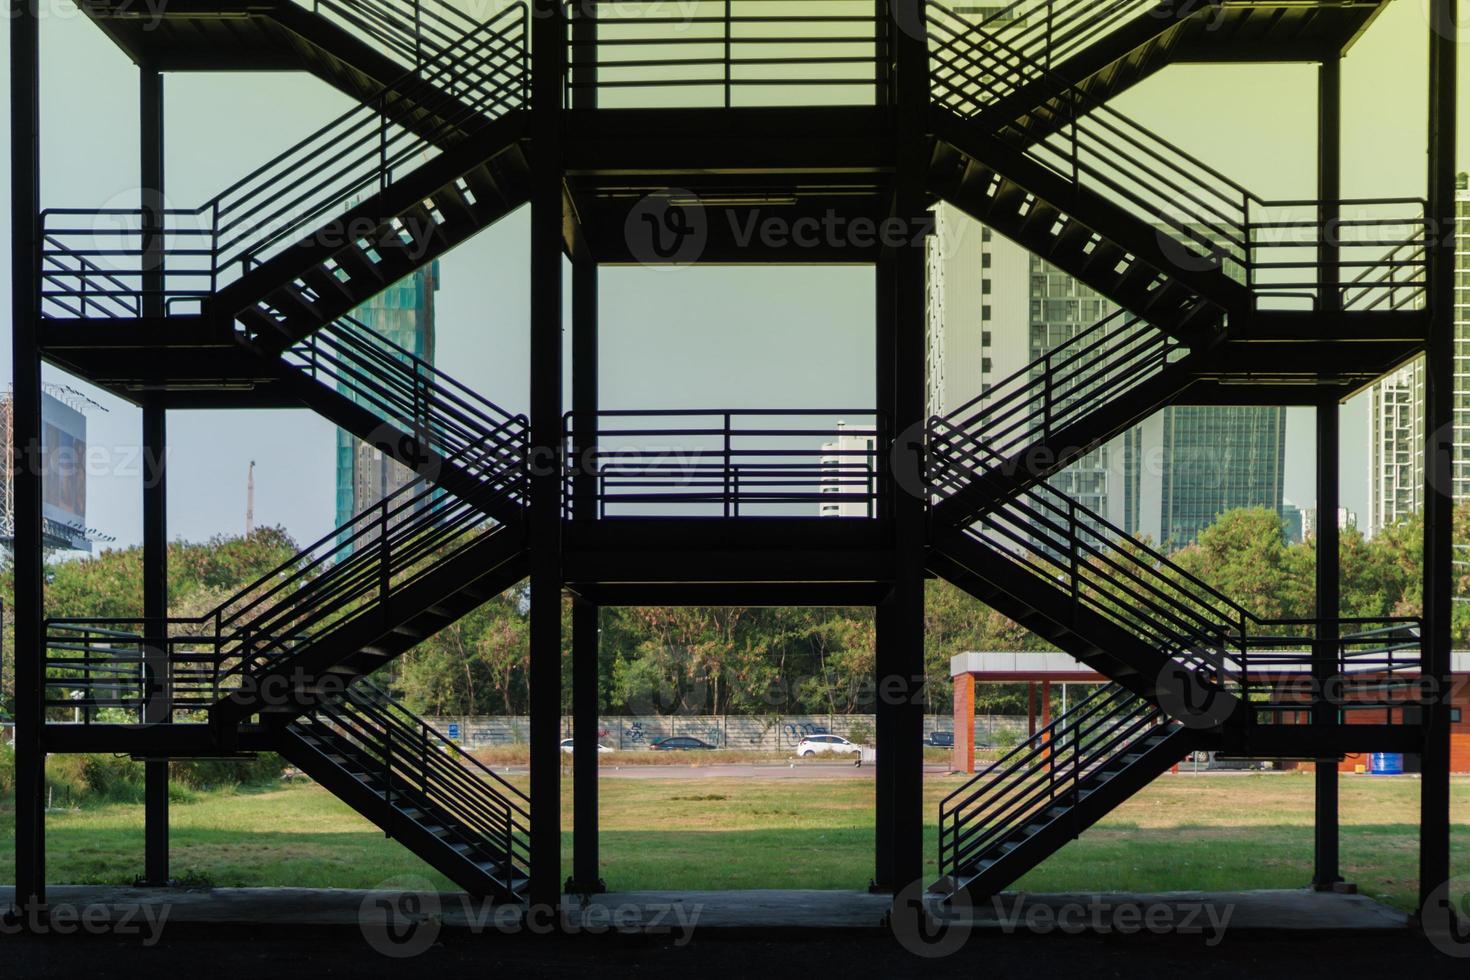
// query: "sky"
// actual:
[[695, 337]]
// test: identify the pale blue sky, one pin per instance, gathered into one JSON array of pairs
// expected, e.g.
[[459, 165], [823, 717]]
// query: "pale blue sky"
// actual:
[[711, 337]]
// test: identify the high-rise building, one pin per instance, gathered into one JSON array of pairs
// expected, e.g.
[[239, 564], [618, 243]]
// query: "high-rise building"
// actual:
[[1166, 478], [1396, 408], [403, 314], [847, 464]]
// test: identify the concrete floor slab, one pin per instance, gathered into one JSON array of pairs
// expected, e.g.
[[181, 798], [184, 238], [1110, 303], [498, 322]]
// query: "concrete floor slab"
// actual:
[[678, 912]]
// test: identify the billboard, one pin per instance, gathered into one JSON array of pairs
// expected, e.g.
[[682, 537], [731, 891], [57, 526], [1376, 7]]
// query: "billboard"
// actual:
[[64, 462]]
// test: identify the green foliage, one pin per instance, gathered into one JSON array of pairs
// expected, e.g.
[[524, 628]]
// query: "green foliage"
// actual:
[[94, 780], [7, 770]]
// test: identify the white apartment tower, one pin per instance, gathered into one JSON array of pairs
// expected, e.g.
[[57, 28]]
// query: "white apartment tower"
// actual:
[[1396, 408]]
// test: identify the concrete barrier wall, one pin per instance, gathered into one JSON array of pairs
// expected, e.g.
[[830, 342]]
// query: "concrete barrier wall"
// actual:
[[764, 733]]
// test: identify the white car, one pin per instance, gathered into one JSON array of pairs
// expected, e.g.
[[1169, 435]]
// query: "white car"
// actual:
[[567, 744], [827, 745]]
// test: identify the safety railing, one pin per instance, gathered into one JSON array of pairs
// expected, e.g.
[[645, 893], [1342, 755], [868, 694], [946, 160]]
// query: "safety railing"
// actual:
[[346, 575], [1396, 282], [724, 53], [1211, 221], [1041, 33], [460, 90], [124, 670], [1098, 569], [416, 766], [727, 463], [1066, 384], [1047, 770], [409, 31], [1380, 244], [440, 415]]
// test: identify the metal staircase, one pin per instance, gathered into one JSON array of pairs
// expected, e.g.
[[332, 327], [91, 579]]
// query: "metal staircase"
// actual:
[[1051, 787], [356, 46], [419, 787], [1103, 49], [392, 576], [1041, 157], [388, 186], [410, 411], [1072, 399], [1112, 602]]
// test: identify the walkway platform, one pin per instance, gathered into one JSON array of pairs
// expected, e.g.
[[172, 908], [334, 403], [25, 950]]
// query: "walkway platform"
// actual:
[[1222, 914]]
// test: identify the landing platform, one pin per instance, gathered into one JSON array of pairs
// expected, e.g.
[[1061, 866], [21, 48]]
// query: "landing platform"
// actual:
[[1209, 914]]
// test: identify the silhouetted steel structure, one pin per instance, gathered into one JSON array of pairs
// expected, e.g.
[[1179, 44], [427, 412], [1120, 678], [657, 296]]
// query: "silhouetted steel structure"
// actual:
[[635, 136]]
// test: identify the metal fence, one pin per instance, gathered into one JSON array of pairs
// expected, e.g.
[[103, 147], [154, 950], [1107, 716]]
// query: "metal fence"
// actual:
[[755, 733]]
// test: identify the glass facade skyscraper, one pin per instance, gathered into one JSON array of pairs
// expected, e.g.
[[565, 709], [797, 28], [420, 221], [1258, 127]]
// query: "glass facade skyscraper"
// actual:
[[1166, 478], [403, 314]]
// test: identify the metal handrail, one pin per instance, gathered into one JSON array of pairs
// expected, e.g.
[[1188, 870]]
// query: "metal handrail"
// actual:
[[1044, 771], [727, 48], [456, 91], [418, 766], [341, 577], [1199, 205], [439, 413], [1068, 382], [724, 460]]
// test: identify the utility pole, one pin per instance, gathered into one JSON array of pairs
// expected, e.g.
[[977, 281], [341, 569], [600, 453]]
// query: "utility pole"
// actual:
[[250, 499]]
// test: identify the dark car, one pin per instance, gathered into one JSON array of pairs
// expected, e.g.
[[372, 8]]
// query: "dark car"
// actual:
[[943, 740], [678, 743]]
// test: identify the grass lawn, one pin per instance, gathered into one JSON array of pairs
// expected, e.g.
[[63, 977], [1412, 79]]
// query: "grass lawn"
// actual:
[[1208, 832]]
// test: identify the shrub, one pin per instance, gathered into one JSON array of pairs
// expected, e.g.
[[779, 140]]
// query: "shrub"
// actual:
[[204, 774], [76, 780], [7, 770], [1006, 738]]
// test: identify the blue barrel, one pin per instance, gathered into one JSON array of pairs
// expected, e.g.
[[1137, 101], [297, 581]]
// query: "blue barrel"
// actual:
[[1386, 763]]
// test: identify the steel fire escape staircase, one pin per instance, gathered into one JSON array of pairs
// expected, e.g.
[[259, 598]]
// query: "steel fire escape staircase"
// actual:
[[1034, 152], [431, 157]]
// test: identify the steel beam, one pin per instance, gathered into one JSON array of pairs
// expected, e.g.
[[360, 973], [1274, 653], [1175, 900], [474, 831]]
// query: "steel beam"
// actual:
[[900, 625], [586, 617], [1327, 871], [586, 630], [1439, 452], [548, 57], [158, 709], [25, 195], [1324, 655]]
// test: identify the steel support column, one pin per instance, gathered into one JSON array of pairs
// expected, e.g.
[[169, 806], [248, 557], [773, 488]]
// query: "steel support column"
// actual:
[[1324, 655], [884, 331], [1326, 868], [548, 56], [900, 632], [25, 195], [1439, 379], [586, 617], [158, 709]]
